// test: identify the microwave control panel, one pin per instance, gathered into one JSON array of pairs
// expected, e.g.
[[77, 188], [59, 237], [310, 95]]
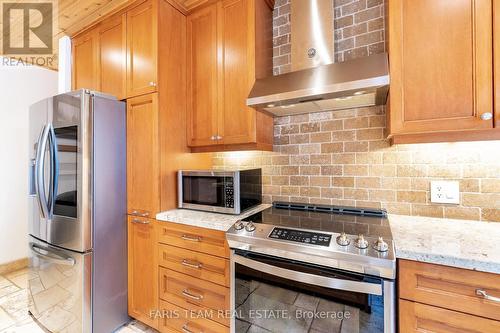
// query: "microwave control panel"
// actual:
[[229, 192], [299, 236]]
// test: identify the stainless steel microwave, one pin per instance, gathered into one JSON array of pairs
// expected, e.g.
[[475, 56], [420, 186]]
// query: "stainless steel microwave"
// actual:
[[220, 191]]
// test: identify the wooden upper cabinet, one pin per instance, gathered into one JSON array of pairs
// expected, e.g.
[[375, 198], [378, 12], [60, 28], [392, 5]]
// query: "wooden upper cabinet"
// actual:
[[440, 66], [85, 66], [229, 46], [142, 32], [142, 270], [202, 76], [237, 120], [143, 173], [112, 56]]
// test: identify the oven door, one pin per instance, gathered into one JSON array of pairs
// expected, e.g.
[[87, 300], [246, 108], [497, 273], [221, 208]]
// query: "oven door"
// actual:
[[209, 191], [280, 295]]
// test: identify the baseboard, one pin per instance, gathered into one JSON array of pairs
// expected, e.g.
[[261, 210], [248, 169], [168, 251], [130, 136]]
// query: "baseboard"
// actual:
[[13, 266]]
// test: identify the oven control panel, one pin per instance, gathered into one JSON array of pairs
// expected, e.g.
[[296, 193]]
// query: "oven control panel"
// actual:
[[298, 236]]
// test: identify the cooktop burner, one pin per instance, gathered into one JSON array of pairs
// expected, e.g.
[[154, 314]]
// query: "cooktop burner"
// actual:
[[357, 238]]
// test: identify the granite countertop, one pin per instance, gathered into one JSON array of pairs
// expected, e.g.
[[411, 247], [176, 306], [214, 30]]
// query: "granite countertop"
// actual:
[[208, 220], [458, 243]]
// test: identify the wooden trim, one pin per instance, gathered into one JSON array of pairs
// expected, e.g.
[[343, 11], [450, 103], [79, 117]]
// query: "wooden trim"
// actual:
[[450, 136], [13, 266], [236, 147], [188, 6]]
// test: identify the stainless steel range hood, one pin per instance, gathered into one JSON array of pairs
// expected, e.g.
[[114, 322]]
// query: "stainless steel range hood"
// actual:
[[316, 84], [350, 84]]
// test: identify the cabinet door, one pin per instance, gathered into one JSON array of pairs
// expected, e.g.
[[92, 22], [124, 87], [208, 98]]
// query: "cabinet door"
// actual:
[[143, 183], [202, 76], [237, 71], [85, 59], [112, 56], [416, 317], [441, 65], [142, 49], [142, 270]]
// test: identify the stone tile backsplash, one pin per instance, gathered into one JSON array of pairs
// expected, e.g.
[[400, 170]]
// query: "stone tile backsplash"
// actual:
[[342, 158]]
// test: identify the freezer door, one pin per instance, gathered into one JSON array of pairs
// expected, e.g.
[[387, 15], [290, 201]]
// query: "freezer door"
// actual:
[[59, 288], [60, 166]]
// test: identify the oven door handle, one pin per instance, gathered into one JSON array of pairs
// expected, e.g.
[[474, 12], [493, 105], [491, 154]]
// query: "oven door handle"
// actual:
[[317, 280]]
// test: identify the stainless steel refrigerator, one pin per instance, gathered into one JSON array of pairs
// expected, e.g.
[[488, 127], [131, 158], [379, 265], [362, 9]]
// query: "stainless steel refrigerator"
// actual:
[[77, 213]]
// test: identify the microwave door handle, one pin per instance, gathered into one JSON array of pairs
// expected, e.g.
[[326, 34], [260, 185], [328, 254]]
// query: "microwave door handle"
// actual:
[[54, 169], [55, 258], [40, 172], [322, 281]]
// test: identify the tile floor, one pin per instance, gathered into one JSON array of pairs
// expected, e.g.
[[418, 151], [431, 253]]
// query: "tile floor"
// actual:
[[252, 295], [14, 316]]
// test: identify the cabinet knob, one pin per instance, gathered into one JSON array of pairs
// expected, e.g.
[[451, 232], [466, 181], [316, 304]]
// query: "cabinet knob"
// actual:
[[487, 116], [218, 137], [152, 84], [213, 138]]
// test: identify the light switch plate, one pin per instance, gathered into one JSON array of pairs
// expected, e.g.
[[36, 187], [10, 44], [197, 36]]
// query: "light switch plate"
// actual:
[[445, 192]]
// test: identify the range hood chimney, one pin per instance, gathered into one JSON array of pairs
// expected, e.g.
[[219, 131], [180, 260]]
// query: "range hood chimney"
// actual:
[[316, 83]]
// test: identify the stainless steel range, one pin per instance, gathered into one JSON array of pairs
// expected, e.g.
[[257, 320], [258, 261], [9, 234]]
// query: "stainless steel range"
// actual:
[[313, 268]]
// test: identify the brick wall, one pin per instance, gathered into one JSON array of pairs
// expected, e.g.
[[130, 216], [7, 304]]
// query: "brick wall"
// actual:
[[358, 30], [341, 157], [281, 37]]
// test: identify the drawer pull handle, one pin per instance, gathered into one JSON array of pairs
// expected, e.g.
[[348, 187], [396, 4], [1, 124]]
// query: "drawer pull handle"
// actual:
[[137, 213], [485, 295], [140, 221], [186, 293], [191, 239], [185, 329], [186, 263]]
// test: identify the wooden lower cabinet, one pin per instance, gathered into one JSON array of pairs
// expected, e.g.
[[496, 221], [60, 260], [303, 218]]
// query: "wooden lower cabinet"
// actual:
[[183, 289], [195, 264], [417, 317], [142, 270], [193, 276], [197, 239], [436, 298], [177, 319]]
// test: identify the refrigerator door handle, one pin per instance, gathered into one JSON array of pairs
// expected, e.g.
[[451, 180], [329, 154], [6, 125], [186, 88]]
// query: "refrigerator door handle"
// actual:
[[51, 256], [54, 169], [39, 172]]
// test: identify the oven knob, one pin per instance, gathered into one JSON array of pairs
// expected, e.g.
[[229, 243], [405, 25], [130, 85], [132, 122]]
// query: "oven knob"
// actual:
[[380, 245], [361, 242], [250, 227], [238, 225], [343, 240]]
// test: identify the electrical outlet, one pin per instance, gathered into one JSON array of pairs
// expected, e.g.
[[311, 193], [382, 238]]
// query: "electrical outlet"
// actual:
[[445, 192]]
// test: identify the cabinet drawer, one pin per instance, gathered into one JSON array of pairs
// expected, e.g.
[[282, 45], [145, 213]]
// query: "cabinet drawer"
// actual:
[[177, 319], [416, 317], [193, 238], [450, 288], [182, 289], [196, 264]]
